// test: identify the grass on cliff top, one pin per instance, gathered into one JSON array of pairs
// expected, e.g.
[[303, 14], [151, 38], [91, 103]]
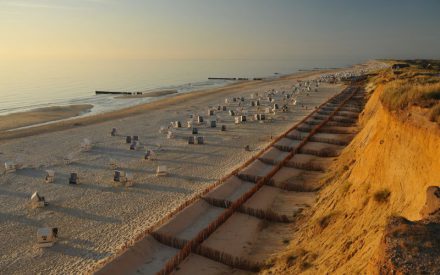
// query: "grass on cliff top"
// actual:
[[412, 87], [401, 94]]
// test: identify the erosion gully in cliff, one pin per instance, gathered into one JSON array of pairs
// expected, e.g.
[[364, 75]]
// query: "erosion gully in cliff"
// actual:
[[237, 225]]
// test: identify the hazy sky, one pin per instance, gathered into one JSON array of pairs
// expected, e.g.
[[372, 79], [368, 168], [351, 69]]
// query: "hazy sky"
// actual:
[[65, 29]]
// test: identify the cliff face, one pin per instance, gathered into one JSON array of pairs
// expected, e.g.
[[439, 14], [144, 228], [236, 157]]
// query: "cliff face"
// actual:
[[384, 172]]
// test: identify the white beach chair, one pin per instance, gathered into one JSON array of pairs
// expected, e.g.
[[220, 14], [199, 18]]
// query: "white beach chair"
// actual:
[[189, 123], [69, 158], [161, 171], [199, 119], [86, 145], [9, 167], [47, 236], [37, 201], [50, 176], [210, 112], [170, 135]]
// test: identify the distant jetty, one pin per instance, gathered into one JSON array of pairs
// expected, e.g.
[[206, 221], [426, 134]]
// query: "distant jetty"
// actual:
[[222, 78], [117, 93], [234, 78]]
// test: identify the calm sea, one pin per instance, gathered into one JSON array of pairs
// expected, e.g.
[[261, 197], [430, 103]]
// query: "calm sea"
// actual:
[[26, 85]]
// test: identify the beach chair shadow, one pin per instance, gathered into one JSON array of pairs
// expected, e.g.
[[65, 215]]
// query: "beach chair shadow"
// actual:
[[70, 249], [81, 214], [161, 188]]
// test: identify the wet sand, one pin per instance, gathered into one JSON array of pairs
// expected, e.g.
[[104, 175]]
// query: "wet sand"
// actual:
[[42, 115]]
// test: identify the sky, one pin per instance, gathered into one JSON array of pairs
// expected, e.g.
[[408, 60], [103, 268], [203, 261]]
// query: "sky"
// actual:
[[214, 29]]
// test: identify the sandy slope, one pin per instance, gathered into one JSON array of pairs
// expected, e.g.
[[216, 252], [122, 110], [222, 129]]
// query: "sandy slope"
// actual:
[[344, 229], [96, 218]]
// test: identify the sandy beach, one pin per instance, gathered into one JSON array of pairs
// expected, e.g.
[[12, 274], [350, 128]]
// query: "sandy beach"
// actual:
[[42, 115], [97, 217]]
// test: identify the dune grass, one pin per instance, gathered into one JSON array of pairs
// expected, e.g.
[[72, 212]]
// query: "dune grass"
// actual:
[[401, 94], [413, 88]]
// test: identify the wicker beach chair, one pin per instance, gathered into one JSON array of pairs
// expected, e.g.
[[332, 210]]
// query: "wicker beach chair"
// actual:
[[73, 179], [161, 171], [47, 236], [50, 176]]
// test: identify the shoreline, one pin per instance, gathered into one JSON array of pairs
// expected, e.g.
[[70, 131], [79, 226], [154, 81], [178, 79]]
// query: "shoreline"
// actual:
[[71, 122], [42, 115]]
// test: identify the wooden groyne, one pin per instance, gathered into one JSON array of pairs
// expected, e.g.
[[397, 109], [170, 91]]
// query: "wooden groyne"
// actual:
[[222, 78], [117, 93], [234, 78]]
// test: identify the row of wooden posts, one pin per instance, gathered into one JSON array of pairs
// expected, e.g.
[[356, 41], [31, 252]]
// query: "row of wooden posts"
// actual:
[[194, 244]]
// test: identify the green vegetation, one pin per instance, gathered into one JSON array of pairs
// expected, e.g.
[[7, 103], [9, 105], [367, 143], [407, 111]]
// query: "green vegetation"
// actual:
[[417, 85], [401, 94]]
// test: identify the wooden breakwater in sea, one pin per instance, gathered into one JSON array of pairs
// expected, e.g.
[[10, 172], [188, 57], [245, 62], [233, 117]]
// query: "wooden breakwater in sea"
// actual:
[[117, 93], [234, 78]]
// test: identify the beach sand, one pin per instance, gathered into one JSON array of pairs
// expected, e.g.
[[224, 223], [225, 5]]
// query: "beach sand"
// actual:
[[97, 218], [41, 115]]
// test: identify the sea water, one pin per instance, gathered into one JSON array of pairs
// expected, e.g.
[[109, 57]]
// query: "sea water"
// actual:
[[27, 85]]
